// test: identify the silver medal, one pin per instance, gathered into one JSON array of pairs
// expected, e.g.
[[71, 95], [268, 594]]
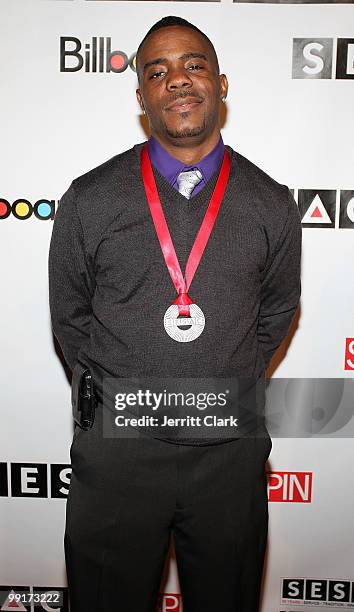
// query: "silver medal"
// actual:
[[173, 323]]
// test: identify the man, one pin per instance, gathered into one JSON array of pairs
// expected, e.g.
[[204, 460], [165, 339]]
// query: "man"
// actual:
[[128, 239]]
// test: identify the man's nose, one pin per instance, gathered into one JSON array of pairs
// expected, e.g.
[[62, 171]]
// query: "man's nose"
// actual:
[[177, 79]]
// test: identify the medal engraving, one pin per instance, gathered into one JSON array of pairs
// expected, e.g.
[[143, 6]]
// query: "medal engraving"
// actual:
[[174, 324]]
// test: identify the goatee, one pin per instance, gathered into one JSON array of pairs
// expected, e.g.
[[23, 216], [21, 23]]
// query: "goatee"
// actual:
[[186, 132]]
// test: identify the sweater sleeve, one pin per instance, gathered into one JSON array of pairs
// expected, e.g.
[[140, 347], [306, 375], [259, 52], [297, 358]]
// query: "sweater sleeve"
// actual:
[[71, 284], [281, 285]]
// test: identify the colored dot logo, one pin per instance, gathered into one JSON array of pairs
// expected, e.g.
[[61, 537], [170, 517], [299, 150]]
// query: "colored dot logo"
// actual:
[[5, 209], [44, 210], [119, 61], [23, 209], [132, 62]]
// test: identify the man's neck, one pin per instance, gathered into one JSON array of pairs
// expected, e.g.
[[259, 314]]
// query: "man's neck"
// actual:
[[189, 153]]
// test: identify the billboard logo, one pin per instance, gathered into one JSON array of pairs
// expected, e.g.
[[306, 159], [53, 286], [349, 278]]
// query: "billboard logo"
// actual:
[[97, 56], [317, 591], [349, 354], [313, 58], [23, 209], [295, 487]]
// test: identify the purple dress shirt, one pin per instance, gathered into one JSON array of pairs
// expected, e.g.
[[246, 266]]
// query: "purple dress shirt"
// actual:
[[170, 167]]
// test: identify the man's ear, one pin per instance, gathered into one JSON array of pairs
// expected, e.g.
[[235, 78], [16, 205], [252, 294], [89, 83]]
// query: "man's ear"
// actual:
[[224, 86], [140, 100]]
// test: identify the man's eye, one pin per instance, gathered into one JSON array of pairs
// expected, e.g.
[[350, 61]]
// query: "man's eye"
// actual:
[[196, 67], [156, 74]]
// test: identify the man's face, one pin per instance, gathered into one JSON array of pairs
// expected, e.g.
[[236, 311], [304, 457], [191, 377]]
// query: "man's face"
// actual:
[[179, 84]]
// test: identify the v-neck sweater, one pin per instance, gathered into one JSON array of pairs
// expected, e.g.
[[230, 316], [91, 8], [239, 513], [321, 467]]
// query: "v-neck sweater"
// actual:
[[109, 286]]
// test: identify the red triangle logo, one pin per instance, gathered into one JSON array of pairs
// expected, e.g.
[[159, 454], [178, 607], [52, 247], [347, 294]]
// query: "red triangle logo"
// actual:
[[316, 213]]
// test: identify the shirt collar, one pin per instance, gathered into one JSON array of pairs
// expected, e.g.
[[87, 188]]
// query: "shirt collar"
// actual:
[[170, 167]]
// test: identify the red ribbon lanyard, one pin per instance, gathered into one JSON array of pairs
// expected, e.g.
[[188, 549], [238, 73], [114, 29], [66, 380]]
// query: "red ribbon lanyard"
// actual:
[[183, 300]]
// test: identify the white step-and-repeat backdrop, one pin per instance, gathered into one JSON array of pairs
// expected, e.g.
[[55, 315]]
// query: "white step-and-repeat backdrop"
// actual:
[[67, 104]]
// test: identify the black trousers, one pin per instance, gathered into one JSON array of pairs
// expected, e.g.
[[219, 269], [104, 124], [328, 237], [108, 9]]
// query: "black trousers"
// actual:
[[128, 495]]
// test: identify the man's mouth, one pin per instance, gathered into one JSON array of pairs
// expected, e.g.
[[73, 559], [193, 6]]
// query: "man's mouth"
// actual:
[[183, 105]]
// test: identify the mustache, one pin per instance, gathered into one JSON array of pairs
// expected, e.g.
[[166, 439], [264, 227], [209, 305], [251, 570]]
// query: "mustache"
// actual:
[[181, 95]]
